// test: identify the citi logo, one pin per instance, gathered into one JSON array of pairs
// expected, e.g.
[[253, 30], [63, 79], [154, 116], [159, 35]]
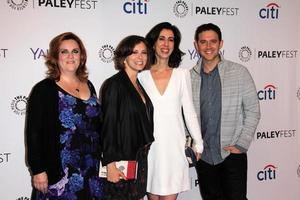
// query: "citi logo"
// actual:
[[270, 12], [268, 93], [136, 7], [268, 173]]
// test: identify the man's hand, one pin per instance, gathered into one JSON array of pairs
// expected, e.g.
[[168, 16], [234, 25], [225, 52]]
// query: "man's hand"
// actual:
[[232, 149]]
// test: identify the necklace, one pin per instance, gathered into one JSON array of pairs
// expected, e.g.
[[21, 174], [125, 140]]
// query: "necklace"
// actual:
[[70, 86], [77, 89]]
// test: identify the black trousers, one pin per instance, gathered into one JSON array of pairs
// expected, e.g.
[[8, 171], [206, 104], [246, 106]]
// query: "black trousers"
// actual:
[[225, 181]]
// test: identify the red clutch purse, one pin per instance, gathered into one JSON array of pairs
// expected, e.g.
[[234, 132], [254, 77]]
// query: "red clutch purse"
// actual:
[[128, 167]]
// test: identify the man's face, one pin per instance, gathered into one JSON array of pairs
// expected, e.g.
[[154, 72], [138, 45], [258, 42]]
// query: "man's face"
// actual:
[[208, 46]]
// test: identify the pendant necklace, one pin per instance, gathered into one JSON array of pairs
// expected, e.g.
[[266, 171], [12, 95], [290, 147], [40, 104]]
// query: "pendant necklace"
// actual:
[[77, 88]]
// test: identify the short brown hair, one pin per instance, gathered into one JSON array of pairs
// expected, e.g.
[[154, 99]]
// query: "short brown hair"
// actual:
[[51, 62], [125, 48]]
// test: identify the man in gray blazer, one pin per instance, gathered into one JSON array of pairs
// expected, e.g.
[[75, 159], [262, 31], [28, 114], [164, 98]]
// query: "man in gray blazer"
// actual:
[[227, 106]]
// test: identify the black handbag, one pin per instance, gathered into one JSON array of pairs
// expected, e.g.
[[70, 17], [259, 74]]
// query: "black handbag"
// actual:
[[189, 152]]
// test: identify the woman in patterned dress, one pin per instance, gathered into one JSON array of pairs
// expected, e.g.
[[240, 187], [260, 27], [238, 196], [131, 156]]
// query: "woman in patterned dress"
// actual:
[[62, 126]]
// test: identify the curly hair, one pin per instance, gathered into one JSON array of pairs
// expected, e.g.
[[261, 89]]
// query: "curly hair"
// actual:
[[152, 36]]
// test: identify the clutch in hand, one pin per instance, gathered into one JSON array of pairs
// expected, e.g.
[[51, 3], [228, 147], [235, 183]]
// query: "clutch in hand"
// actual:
[[128, 167], [190, 152]]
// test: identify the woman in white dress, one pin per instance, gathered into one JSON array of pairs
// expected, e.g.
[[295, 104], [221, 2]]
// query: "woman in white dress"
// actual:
[[169, 89]]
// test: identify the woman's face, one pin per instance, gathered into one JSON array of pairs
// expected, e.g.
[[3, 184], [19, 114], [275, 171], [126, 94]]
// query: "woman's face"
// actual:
[[138, 59], [68, 56], [164, 44]]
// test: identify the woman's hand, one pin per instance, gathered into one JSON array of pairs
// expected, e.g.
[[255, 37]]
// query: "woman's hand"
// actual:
[[114, 174], [40, 182]]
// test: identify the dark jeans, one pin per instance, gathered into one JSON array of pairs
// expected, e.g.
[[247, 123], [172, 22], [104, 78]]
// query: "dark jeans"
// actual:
[[224, 181]]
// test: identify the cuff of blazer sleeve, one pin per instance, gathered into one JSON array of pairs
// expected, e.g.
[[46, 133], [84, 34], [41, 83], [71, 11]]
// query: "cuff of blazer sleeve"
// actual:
[[242, 149]]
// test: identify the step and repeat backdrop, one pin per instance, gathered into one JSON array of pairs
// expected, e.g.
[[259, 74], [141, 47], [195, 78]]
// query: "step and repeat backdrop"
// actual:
[[260, 34]]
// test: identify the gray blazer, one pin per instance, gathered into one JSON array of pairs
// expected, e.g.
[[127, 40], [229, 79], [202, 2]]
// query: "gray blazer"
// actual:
[[240, 107]]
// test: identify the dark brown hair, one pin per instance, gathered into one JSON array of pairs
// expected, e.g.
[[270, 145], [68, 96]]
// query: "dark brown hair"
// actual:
[[152, 36], [51, 62], [125, 48], [208, 27]]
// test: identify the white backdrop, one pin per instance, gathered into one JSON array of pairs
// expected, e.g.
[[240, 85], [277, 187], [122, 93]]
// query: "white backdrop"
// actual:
[[262, 35]]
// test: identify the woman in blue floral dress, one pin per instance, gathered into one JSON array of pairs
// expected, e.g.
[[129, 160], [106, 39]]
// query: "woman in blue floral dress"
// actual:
[[62, 127]]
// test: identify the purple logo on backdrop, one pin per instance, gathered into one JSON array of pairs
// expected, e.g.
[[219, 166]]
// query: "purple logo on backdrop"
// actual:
[[18, 105], [38, 53], [268, 93], [268, 173], [180, 9], [3, 53], [106, 53], [136, 7], [4, 157], [270, 12], [17, 4], [194, 55]]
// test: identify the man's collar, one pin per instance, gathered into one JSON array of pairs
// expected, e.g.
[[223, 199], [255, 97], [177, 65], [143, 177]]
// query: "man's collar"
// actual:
[[198, 66]]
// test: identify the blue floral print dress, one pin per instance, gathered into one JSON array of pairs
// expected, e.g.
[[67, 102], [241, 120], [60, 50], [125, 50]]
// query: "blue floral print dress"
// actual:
[[79, 142]]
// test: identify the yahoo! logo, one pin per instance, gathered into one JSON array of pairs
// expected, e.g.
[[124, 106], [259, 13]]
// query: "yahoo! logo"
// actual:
[[136, 7], [270, 12], [268, 173], [38, 53], [268, 93], [194, 55]]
